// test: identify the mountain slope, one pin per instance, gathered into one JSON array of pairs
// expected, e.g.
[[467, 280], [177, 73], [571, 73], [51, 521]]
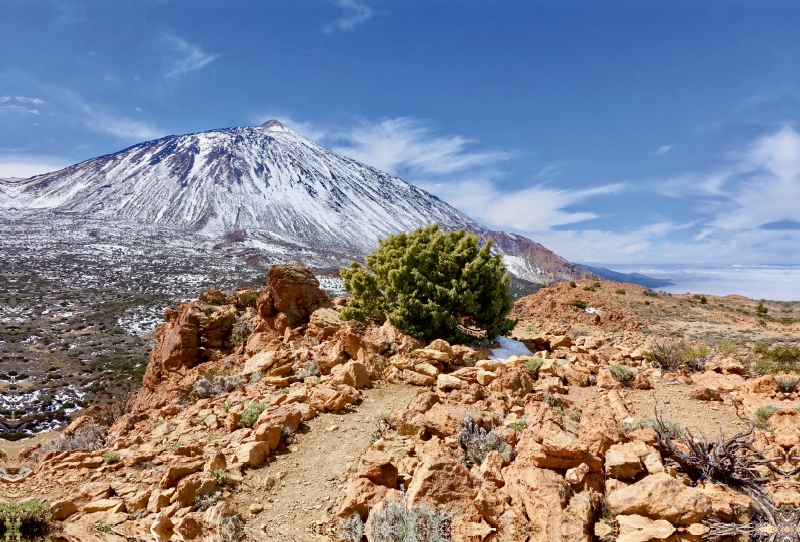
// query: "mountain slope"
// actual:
[[255, 189]]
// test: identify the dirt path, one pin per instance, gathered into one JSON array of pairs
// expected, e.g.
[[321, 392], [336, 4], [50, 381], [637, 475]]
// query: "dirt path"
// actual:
[[301, 484]]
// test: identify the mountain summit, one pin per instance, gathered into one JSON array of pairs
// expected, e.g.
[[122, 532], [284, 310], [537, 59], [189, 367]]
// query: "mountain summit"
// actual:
[[261, 187]]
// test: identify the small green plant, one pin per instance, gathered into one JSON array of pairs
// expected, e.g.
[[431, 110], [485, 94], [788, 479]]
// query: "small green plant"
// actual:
[[159, 423], [761, 310], [102, 528], [133, 447], [223, 477], [728, 348], [784, 358], [256, 378], [575, 416], [177, 445], [649, 293], [622, 374], [26, 520], [111, 456], [553, 304], [395, 521], [240, 332], [763, 415], [283, 391], [519, 426], [531, 329], [598, 285], [620, 291], [572, 284], [206, 500], [578, 303], [382, 424], [251, 414], [590, 288], [703, 300], [665, 427], [533, 365]]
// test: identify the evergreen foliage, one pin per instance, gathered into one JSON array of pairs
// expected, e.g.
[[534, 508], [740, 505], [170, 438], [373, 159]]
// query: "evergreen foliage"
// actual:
[[432, 284]]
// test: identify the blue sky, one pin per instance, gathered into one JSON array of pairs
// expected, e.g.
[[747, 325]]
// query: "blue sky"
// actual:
[[609, 131]]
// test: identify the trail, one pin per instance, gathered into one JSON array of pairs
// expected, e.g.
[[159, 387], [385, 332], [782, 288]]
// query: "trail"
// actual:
[[301, 484]]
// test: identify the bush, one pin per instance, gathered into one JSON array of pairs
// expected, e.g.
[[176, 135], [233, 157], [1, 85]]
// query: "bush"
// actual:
[[111, 456], [761, 310], [578, 303], [669, 355], [620, 291], [533, 365], [665, 428], [25, 520], [763, 415], [783, 358], [650, 293], [622, 374], [240, 332], [572, 284], [251, 414], [477, 442], [310, 369], [223, 477], [207, 500], [89, 437], [786, 384], [396, 522], [214, 385], [432, 284]]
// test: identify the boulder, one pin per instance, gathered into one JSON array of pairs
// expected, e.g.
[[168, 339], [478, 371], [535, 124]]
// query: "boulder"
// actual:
[[178, 469], [377, 467], [448, 382], [717, 382], [352, 373], [441, 480], [291, 290], [417, 379], [253, 454], [323, 324], [660, 496], [552, 449], [623, 461], [635, 528], [361, 496]]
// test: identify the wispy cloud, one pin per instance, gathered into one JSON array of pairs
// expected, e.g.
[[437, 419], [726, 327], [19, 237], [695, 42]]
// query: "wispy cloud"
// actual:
[[24, 100], [4, 99], [27, 166], [663, 149], [187, 59], [17, 109], [354, 13]]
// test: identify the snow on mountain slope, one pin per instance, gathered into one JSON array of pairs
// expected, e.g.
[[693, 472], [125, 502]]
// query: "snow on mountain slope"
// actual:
[[281, 192]]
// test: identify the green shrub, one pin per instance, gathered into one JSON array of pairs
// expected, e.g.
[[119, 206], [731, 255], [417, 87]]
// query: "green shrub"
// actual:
[[763, 415], [533, 365], [784, 358], [223, 477], [665, 427], [622, 374], [26, 520], [111, 456], [207, 500], [432, 284], [251, 414], [620, 291], [669, 355], [787, 384], [650, 293], [395, 521], [761, 310], [477, 442], [578, 303], [572, 284], [553, 304], [703, 300]]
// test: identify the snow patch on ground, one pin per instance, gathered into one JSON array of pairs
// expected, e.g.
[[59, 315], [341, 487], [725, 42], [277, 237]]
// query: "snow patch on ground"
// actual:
[[508, 348]]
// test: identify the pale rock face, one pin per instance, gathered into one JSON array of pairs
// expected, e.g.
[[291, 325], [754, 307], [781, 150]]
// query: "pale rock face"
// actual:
[[636, 528], [660, 496]]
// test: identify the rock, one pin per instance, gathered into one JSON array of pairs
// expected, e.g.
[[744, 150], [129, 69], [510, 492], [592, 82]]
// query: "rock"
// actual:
[[360, 497], [281, 416], [606, 380], [652, 462], [352, 373], [294, 291], [161, 528], [642, 382], [635, 528], [253, 454], [660, 496], [62, 509], [193, 485], [575, 475], [377, 467], [516, 381], [717, 382], [417, 379], [102, 505], [426, 369], [576, 377], [599, 430], [256, 508], [763, 385], [189, 527], [623, 460], [553, 449], [560, 341], [262, 361], [553, 510], [441, 480], [484, 378], [491, 468], [323, 324], [448, 382], [271, 434]]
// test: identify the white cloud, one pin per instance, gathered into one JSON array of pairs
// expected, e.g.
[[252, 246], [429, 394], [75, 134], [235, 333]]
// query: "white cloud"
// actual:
[[24, 100], [355, 13], [407, 145], [190, 57], [17, 109], [533, 209], [4, 98], [663, 149]]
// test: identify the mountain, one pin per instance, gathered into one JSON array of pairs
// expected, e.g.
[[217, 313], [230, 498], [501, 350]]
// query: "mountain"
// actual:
[[262, 194], [632, 278]]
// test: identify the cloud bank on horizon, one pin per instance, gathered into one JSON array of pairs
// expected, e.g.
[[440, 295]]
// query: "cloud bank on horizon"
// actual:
[[647, 148]]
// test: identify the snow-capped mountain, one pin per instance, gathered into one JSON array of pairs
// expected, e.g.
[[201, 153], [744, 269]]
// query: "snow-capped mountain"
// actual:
[[258, 190]]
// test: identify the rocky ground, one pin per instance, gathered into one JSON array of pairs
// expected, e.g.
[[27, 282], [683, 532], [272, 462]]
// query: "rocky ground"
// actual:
[[262, 416]]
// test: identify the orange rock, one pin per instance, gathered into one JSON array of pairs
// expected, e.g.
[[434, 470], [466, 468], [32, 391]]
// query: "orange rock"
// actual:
[[660, 496], [361, 496], [352, 374], [377, 467], [178, 469], [441, 480]]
